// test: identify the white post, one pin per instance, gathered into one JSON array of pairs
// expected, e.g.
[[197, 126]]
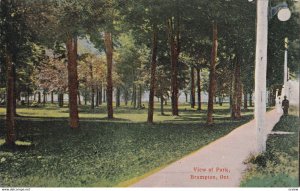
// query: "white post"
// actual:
[[287, 82], [261, 72], [285, 74]]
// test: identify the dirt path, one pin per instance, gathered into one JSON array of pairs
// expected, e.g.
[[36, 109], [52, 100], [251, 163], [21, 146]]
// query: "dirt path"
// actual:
[[219, 164]]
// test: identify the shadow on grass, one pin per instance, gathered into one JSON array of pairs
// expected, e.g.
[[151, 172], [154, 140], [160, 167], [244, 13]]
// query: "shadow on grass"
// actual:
[[288, 123], [107, 150], [16, 148]]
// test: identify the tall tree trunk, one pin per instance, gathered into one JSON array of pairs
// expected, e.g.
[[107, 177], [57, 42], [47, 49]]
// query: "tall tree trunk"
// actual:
[[92, 97], [118, 97], [97, 97], [270, 97], [153, 76], [245, 100], [162, 104], [39, 97], [240, 92], [28, 96], [186, 97], [52, 97], [15, 89], [166, 100], [199, 88], [59, 99], [100, 94], [192, 87], [92, 87], [109, 87], [72, 81], [79, 98], [212, 75], [140, 97], [104, 95], [34, 96], [134, 96], [85, 95], [250, 99], [237, 95], [234, 93], [126, 96], [174, 43], [44, 97], [220, 100], [273, 97], [10, 114], [230, 101], [231, 93], [62, 100]]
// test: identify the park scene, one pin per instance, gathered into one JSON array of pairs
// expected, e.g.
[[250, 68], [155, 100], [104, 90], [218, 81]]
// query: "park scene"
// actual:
[[149, 93]]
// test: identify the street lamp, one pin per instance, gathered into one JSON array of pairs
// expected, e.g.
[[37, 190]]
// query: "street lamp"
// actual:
[[282, 11], [264, 13]]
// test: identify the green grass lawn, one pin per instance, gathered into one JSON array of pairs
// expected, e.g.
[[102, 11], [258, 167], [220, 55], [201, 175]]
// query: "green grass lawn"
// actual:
[[278, 166], [102, 152]]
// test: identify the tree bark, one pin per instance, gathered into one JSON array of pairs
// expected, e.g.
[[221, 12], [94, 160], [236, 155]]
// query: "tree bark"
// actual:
[[92, 98], [134, 96], [237, 89], [199, 88], [212, 75], [220, 100], [174, 43], [15, 89], [44, 97], [92, 87], [85, 96], [245, 100], [72, 81], [28, 96], [273, 97], [250, 99], [140, 97], [100, 94], [97, 97], [52, 97], [62, 100], [109, 87], [59, 99], [39, 97], [153, 76], [79, 98], [240, 93], [162, 104], [126, 97], [10, 106], [104, 95], [230, 101], [192, 87], [118, 97], [186, 97]]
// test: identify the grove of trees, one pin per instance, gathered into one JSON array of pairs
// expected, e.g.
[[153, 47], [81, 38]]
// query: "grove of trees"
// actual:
[[164, 47]]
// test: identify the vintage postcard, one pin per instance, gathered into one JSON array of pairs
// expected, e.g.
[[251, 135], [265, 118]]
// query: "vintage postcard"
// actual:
[[149, 93]]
